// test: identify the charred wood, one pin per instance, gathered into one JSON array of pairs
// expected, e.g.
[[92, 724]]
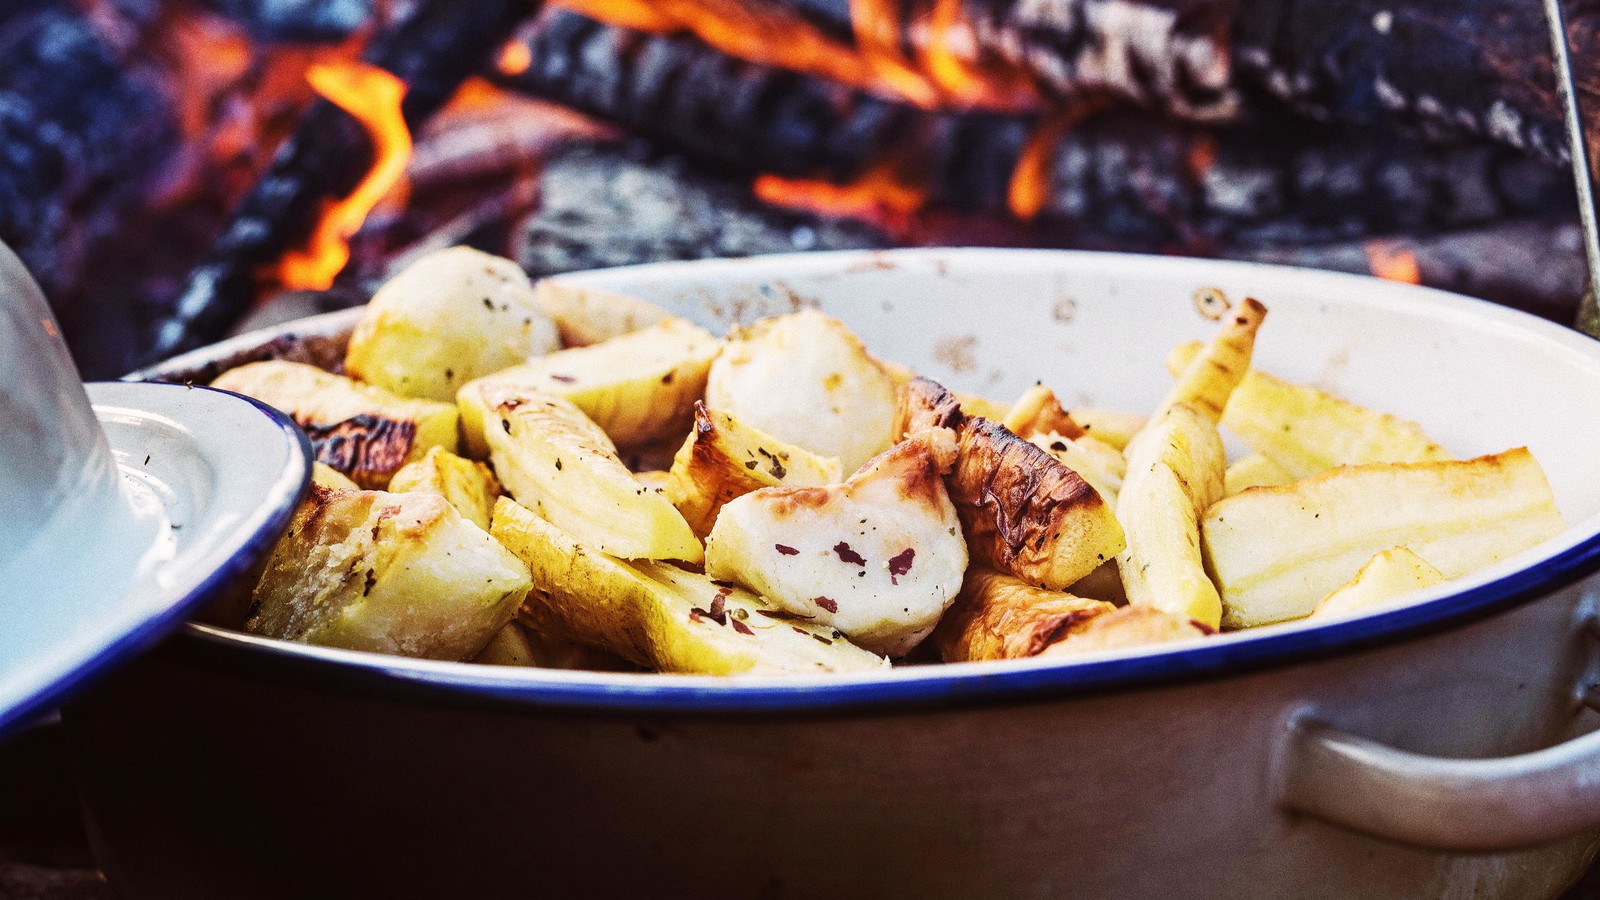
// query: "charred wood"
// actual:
[[1126, 173], [308, 21], [433, 51]]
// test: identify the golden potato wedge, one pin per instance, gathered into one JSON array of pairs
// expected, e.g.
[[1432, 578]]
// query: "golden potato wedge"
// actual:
[[1109, 425], [1307, 431], [659, 616], [1276, 552], [997, 616], [806, 379], [359, 429], [1038, 411], [1384, 581], [878, 557], [1255, 470], [1026, 514], [331, 478], [1100, 464], [451, 316], [1126, 628], [553, 459], [1208, 379], [640, 387], [724, 458], [1175, 470], [586, 315], [467, 484], [388, 573]]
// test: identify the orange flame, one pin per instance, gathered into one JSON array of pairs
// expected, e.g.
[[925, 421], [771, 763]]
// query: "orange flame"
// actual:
[[878, 195], [1393, 263], [372, 95], [515, 58], [1029, 188]]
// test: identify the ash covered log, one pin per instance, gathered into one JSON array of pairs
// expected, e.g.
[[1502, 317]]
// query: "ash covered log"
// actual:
[[432, 51], [1449, 68], [1128, 174]]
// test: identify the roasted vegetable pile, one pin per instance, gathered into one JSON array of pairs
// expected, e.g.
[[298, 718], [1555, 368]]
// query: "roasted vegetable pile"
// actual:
[[483, 498]]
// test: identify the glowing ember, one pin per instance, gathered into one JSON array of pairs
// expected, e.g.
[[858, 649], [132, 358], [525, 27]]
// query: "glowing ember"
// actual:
[[949, 59], [879, 195], [373, 97], [1030, 180], [1393, 263], [515, 58], [877, 32]]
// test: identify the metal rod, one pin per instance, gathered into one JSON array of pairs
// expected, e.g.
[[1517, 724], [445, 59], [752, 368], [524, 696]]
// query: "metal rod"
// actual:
[[1588, 312]]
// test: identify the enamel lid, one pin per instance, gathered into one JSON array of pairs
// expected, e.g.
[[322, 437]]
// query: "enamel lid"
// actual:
[[123, 507]]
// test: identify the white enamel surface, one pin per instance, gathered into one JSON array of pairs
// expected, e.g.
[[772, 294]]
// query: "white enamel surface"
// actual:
[[199, 475]]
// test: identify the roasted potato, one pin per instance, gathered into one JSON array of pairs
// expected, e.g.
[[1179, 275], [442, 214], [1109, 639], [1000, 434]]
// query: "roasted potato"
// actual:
[[359, 429], [1307, 431], [640, 387], [1276, 552], [1386, 579], [659, 616], [329, 477], [1175, 470], [805, 379], [586, 315], [554, 460], [997, 616], [388, 573], [1255, 470], [878, 557], [468, 485], [1130, 626], [451, 316], [724, 458]]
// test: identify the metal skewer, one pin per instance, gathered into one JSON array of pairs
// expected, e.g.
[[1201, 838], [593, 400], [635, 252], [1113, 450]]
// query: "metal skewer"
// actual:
[[1588, 320]]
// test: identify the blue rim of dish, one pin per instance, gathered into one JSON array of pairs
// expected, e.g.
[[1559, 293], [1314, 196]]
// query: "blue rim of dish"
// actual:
[[461, 684], [153, 629]]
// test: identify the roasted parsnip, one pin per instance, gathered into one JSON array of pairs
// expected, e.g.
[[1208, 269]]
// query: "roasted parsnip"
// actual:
[[449, 317], [586, 315], [1100, 464], [359, 429], [1385, 580], [659, 616], [878, 557], [639, 387], [1037, 412], [1175, 470], [724, 458], [997, 616], [467, 484], [1255, 470], [1307, 431], [806, 379], [553, 459], [1112, 426], [1125, 628], [389, 573], [1207, 380], [1276, 552]]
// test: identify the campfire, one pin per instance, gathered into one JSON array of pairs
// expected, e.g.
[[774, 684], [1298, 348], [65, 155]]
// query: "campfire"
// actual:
[[171, 168]]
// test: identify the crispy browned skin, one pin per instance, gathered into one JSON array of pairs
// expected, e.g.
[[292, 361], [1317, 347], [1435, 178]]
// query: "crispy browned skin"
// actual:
[[368, 448], [1130, 626], [923, 404], [997, 616], [1039, 411]]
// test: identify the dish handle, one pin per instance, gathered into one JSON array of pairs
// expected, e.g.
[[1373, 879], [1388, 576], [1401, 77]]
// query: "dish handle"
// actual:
[[1438, 803]]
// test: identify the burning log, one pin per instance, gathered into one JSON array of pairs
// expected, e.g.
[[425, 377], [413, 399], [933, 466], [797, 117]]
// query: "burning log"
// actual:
[[1126, 175], [1451, 68], [431, 53]]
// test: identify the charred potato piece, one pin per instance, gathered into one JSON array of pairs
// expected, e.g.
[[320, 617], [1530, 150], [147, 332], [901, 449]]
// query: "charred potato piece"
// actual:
[[1026, 514], [806, 379], [1208, 379], [659, 616], [468, 485], [554, 460], [1276, 552], [1175, 470], [1307, 431], [997, 616], [640, 387], [1038, 411], [724, 458], [361, 430], [878, 557], [451, 316], [923, 403], [586, 315], [387, 573], [1386, 578], [1130, 626]]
